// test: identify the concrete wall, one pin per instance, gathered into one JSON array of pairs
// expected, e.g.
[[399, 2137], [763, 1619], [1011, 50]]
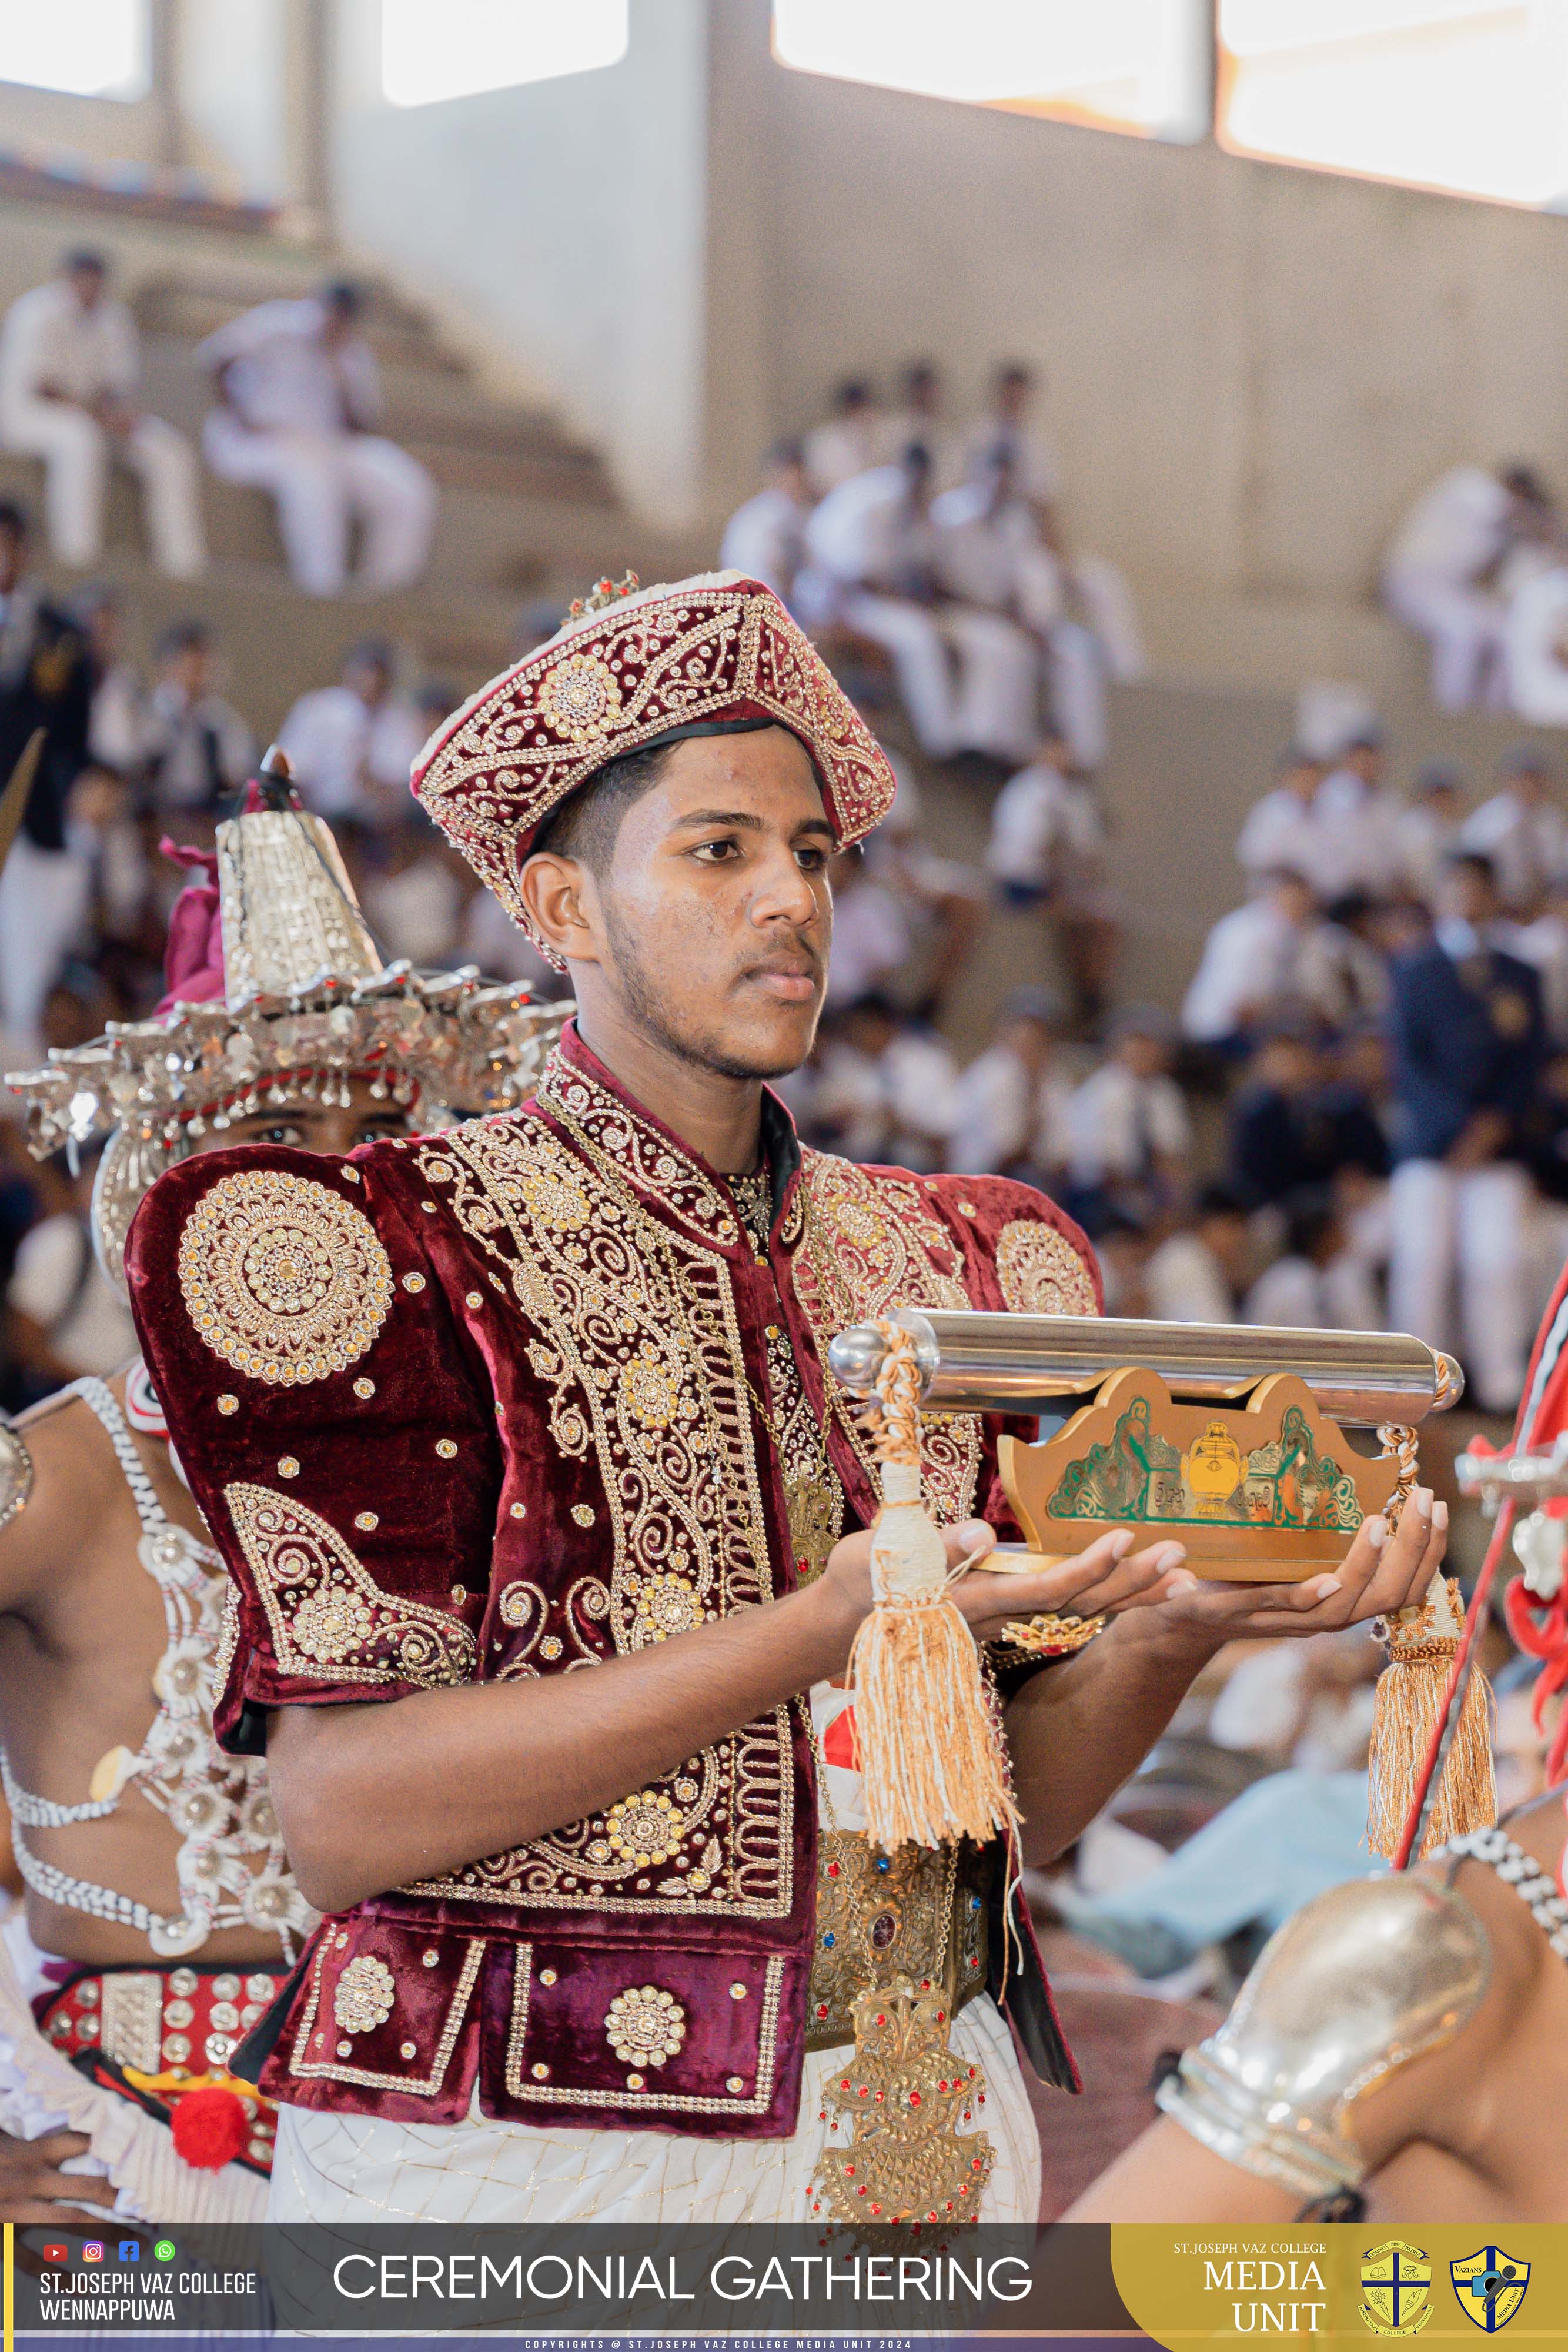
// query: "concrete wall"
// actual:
[[1252, 368], [565, 218]]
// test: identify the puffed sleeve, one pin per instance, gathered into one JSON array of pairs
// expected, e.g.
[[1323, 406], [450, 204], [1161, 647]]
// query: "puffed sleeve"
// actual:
[[335, 1429]]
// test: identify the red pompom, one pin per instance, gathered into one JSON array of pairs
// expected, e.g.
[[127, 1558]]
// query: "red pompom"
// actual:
[[210, 2129]]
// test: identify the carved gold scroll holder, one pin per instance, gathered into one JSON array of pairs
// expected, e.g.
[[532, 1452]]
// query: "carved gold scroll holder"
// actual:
[[1268, 1490]]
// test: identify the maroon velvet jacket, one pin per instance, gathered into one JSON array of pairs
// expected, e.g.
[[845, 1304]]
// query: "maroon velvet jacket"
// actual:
[[479, 1406]]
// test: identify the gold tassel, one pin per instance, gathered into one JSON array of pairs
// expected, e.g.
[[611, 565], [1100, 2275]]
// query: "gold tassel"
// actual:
[[930, 1747], [1422, 1643]]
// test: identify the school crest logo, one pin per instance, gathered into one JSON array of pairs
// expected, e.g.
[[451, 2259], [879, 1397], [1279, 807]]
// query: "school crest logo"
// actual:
[[1491, 2286], [1395, 2289]]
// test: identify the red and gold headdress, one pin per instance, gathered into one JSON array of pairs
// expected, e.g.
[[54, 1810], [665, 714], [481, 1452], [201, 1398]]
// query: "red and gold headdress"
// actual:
[[630, 668]]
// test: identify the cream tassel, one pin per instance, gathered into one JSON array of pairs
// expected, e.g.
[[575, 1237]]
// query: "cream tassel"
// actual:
[[1422, 1645], [930, 1744]]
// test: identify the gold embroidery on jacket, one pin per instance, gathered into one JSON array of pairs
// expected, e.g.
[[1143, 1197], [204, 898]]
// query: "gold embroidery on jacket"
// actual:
[[283, 1278], [331, 1621], [633, 1331], [870, 1245], [754, 2102], [423, 2086], [1040, 1271]]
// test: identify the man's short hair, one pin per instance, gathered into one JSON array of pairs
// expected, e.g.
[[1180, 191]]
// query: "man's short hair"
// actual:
[[341, 294], [181, 637], [14, 523], [84, 256], [1014, 371], [1472, 861], [854, 391], [1524, 482], [586, 826], [787, 453], [372, 652]]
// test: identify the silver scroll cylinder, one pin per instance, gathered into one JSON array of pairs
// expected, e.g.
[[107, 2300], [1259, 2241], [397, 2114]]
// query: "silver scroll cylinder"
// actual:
[[976, 1362]]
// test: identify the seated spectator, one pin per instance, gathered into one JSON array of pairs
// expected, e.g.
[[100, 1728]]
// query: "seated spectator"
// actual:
[[1468, 1039], [416, 893], [1343, 971], [766, 538], [1129, 1136], [352, 744], [1543, 944], [872, 931], [874, 567], [941, 901], [1521, 831], [920, 416], [1319, 1283], [1284, 830], [45, 682], [1198, 1273], [116, 736], [1438, 572], [1009, 423], [849, 442], [1535, 646], [70, 364], [1008, 1110], [1357, 838], [1426, 829], [1252, 960], [63, 1319], [1293, 1126], [1044, 822], [298, 396], [196, 748], [883, 1091]]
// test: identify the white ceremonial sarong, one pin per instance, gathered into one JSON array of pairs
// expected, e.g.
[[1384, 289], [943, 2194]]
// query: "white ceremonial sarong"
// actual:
[[344, 2168]]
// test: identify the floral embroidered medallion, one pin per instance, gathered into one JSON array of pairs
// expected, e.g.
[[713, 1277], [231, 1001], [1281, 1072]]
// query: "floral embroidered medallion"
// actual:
[[1040, 1271], [283, 1278], [645, 1829], [581, 699], [646, 2027], [364, 1995]]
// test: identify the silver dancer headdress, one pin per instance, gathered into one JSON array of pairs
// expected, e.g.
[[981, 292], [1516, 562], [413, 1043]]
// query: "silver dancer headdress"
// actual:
[[277, 995]]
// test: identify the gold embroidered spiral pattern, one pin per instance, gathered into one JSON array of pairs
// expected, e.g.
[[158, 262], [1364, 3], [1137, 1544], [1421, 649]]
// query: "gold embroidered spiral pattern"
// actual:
[[284, 1278]]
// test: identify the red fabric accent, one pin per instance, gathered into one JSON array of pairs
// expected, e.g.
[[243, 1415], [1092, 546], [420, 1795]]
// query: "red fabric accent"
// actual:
[[840, 1745], [193, 956], [513, 1538], [210, 2128]]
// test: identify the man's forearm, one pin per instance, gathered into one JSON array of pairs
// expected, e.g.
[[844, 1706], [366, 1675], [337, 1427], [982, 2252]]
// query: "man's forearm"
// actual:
[[373, 1797], [1081, 1729]]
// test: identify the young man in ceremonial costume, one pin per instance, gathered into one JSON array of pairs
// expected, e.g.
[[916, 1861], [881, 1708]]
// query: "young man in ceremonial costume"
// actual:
[[1399, 2052], [161, 1913], [473, 1415]]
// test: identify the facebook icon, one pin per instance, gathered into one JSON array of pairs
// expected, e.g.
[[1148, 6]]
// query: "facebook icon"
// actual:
[[129, 2250]]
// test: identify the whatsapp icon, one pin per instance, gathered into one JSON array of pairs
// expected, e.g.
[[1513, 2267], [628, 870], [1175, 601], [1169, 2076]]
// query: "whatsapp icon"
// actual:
[[163, 2252]]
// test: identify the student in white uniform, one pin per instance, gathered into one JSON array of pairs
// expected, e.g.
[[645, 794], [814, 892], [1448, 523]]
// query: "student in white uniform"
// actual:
[[1522, 831], [766, 538], [1426, 829], [298, 393], [69, 366], [1285, 828], [921, 416], [351, 745], [1535, 648], [1437, 577], [1358, 846], [966, 674], [1254, 958], [1009, 1109], [849, 441]]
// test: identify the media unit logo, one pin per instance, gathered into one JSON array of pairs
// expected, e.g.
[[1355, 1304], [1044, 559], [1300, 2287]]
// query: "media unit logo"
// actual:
[[1491, 2286], [1395, 2289]]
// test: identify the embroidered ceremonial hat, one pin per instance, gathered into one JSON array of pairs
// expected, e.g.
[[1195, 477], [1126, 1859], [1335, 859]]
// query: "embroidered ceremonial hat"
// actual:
[[626, 671], [275, 995]]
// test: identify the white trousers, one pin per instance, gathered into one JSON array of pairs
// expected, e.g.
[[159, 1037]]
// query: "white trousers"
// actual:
[[1465, 628], [44, 898], [1466, 1234], [77, 454], [968, 677], [324, 483]]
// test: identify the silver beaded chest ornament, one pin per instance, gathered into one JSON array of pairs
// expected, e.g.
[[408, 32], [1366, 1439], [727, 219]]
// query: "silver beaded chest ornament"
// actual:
[[298, 1002], [230, 1862]]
